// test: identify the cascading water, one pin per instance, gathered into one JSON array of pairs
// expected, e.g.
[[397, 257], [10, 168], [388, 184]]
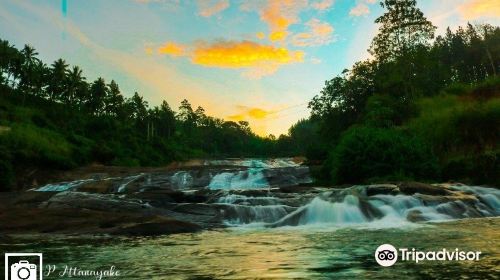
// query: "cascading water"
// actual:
[[240, 209], [393, 210], [248, 192], [63, 186], [246, 179]]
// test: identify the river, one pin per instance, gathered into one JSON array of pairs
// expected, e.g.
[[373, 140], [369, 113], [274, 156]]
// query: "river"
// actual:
[[270, 233]]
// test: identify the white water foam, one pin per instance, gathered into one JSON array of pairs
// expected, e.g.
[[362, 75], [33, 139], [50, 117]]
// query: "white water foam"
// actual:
[[246, 179], [63, 186]]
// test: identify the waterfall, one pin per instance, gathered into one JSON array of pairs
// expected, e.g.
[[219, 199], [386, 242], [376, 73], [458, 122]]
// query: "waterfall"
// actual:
[[394, 210], [245, 179], [321, 211], [240, 209], [181, 180]]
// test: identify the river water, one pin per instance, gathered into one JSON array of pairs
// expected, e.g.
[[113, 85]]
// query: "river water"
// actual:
[[284, 253], [323, 234]]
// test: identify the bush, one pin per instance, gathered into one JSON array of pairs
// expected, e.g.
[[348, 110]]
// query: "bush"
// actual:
[[6, 170], [364, 153], [477, 169], [33, 145]]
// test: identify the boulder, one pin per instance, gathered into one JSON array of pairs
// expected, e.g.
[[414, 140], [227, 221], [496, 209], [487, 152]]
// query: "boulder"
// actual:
[[99, 202], [102, 186], [33, 197], [415, 216], [381, 189], [410, 188]]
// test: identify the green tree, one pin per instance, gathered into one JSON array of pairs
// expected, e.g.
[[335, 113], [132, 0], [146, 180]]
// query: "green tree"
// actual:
[[402, 28], [113, 103], [97, 94], [57, 80], [76, 86]]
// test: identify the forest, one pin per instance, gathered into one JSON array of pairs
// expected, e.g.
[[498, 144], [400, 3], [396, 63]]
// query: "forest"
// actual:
[[423, 107]]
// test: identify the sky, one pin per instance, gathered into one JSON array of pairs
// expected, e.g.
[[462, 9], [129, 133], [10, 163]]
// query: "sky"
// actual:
[[259, 61]]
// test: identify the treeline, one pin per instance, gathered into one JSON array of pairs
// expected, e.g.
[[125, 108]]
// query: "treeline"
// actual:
[[52, 117], [423, 108]]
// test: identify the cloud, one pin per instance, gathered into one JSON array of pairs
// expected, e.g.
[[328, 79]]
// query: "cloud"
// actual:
[[475, 9], [247, 113], [279, 15], [320, 33], [235, 54], [209, 8], [258, 59], [359, 10], [315, 60], [322, 5], [172, 49]]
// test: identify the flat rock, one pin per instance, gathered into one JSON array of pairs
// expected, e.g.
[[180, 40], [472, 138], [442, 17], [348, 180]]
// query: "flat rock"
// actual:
[[422, 188]]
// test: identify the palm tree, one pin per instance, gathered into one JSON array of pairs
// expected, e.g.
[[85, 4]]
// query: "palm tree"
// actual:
[[28, 67], [75, 86], [57, 79], [97, 94]]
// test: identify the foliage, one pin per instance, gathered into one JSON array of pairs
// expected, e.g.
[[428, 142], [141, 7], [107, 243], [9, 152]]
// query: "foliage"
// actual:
[[364, 153], [442, 94], [58, 119]]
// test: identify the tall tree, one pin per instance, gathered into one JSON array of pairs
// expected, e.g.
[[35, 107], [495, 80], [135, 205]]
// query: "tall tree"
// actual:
[[113, 102], [57, 79], [76, 86], [97, 93], [403, 27]]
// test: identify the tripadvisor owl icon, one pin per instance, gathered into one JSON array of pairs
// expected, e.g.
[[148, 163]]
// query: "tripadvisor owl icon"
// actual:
[[386, 255]]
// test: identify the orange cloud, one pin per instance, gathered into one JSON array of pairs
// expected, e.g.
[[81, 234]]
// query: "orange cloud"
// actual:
[[320, 33], [210, 8], [258, 59], [232, 54], [250, 113], [279, 15], [172, 49], [480, 8]]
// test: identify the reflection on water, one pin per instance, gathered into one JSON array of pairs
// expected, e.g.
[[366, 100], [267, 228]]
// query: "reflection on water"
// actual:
[[298, 253]]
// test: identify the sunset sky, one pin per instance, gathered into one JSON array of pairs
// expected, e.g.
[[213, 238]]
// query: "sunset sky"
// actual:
[[259, 61]]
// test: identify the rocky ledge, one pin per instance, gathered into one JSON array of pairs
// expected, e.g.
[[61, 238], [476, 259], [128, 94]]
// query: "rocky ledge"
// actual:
[[158, 212]]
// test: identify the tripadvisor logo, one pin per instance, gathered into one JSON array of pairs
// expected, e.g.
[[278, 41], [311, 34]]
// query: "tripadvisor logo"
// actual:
[[387, 255]]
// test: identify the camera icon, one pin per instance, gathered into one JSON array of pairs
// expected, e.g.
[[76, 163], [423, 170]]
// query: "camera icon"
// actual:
[[386, 255], [23, 270], [23, 266]]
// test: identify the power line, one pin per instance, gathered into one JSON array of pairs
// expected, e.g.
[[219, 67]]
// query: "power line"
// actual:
[[287, 108]]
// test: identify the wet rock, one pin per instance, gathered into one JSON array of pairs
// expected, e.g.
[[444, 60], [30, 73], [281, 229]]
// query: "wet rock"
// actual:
[[291, 220], [415, 216], [102, 186], [161, 227], [100, 202], [381, 189], [287, 176], [410, 188], [33, 197], [369, 211], [296, 189]]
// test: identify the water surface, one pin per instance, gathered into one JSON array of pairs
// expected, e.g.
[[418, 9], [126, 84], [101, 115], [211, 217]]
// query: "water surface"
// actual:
[[322, 252]]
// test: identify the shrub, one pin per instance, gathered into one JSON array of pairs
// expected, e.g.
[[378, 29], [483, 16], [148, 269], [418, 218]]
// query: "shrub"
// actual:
[[6, 170], [478, 169], [364, 153], [33, 145]]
